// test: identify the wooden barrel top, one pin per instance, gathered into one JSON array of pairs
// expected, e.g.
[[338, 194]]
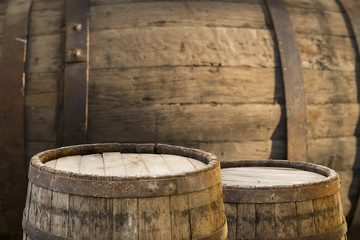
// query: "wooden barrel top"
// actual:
[[267, 176], [125, 170], [271, 181], [127, 164]]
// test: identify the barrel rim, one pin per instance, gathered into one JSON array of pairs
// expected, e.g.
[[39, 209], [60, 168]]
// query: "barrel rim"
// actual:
[[330, 175], [330, 185], [38, 160]]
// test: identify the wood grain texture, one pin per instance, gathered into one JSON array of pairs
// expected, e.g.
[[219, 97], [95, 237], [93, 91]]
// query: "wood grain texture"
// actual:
[[265, 220], [188, 46], [186, 122], [179, 217], [305, 214], [189, 14], [286, 223], [59, 213], [231, 218], [202, 221], [113, 164], [170, 85], [154, 215], [125, 219]]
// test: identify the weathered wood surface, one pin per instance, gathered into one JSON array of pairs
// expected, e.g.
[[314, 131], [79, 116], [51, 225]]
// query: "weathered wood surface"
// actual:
[[279, 219], [160, 217], [140, 64], [127, 164], [267, 176]]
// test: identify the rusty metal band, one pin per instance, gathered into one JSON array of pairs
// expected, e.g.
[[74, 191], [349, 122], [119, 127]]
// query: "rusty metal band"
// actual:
[[220, 234], [126, 188], [352, 10], [293, 81], [35, 233], [12, 82], [334, 234], [76, 72]]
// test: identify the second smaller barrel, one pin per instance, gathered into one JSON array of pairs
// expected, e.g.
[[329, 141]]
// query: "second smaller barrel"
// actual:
[[278, 199]]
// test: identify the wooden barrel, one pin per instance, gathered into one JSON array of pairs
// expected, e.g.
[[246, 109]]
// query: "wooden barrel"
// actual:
[[206, 74], [282, 200], [124, 191]]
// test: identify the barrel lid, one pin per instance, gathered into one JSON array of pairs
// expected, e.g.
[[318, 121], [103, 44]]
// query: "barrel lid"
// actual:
[[267, 176], [124, 170], [127, 164], [272, 181]]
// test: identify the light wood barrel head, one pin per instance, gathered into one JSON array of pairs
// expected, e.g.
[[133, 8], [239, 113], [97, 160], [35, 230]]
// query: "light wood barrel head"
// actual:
[[267, 176]]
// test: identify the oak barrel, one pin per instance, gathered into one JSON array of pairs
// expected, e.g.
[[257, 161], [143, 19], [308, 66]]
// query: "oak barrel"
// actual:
[[276, 199], [124, 191], [205, 74]]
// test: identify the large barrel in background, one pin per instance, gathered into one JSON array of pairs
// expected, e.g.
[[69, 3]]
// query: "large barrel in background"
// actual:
[[202, 74]]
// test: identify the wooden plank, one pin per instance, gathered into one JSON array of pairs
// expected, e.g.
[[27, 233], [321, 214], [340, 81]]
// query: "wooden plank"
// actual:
[[46, 22], [125, 218], [202, 221], [155, 164], [314, 4], [328, 86], [197, 163], [113, 164], [325, 214], [43, 216], [79, 220], [154, 218], [33, 207], [51, 164], [332, 120], [338, 153], [42, 5], [167, 85], [70, 163], [154, 46], [187, 122], [92, 164], [42, 90], [45, 54], [190, 14], [246, 220], [336, 53], [134, 166], [28, 201], [177, 164], [286, 222], [60, 214], [231, 217], [101, 218], [179, 217], [217, 205], [305, 218], [41, 123], [108, 2], [243, 150], [318, 21], [265, 221]]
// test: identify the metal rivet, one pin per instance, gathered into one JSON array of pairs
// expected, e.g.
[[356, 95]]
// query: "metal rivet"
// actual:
[[76, 53], [171, 187], [77, 27], [152, 188]]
